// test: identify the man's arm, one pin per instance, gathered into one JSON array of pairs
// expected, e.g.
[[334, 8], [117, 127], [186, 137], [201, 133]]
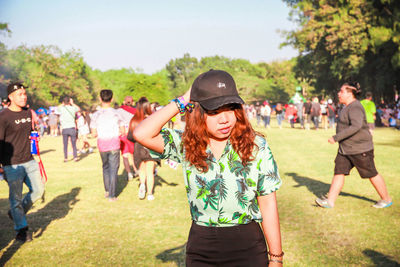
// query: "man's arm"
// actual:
[[147, 132]]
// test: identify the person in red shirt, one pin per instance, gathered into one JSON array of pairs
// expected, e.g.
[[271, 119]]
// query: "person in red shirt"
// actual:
[[127, 111], [291, 114]]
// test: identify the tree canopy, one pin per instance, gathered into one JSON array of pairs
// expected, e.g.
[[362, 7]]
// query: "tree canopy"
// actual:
[[347, 40], [51, 74]]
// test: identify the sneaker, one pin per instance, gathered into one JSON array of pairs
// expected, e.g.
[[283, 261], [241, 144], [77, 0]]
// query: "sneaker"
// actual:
[[130, 176], [65, 160], [23, 235], [150, 197], [106, 194], [142, 191], [76, 159], [323, 203], [382, 204]]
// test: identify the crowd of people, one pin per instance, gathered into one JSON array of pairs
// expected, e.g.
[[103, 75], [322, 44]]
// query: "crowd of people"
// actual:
[[315, 113], [230, 173]]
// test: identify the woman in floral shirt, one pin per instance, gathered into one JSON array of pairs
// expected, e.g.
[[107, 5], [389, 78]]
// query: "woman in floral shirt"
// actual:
[[230, 174]]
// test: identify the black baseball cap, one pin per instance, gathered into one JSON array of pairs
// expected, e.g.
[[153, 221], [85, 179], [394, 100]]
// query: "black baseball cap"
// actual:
[[14, 87], [214, 89]]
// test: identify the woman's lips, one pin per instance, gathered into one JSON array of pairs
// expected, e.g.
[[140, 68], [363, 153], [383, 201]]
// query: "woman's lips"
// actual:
[[225, 130]]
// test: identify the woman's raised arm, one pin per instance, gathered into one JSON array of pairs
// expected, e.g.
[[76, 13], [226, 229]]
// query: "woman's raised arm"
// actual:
[[147, 132]]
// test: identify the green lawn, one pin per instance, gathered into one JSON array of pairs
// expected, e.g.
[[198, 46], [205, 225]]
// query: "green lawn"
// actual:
[[77, 226]]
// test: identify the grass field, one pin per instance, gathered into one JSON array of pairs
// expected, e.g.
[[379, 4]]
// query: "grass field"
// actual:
[[77, 226]]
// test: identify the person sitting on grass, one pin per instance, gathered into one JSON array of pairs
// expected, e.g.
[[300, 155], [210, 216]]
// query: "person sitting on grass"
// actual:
[[229, 173], [355, 149]]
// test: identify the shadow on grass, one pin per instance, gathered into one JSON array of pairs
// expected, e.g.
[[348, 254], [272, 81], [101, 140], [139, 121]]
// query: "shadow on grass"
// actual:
[[318, 188], [46, 151], [176, 255], [81, 156], [56, 209], [122, 182], [159, 181], [380, 259]]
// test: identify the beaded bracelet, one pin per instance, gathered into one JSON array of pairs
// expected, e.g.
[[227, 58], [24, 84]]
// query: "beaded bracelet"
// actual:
[[278, 261], [180, 105], [276, 255], [190, 107]]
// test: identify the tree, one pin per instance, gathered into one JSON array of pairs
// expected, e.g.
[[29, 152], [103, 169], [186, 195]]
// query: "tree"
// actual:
[[51, 74], [181, 72], [154, 87], [347, 39], [115, 80], [126, 82], [4, 74], [255, 82]]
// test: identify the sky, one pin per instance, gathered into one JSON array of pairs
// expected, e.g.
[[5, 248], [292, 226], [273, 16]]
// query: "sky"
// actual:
[[146, 35]]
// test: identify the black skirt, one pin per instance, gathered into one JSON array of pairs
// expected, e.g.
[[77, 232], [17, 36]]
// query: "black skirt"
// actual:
[[141, 153], [242, 245]]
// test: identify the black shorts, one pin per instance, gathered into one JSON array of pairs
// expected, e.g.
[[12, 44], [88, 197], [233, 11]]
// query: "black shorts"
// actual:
[[363, 162], [242, 245]]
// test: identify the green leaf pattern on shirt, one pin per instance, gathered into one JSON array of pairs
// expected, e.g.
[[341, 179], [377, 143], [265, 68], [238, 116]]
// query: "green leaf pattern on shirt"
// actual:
[[188, 188], [227, 193]]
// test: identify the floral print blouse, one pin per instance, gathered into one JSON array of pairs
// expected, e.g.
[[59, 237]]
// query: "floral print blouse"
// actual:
[[226, 195]]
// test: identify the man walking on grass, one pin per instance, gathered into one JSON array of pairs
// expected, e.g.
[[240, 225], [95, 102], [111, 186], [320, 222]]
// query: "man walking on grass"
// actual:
[[15, 156], [355, 149], [107, 125], [68, 110]]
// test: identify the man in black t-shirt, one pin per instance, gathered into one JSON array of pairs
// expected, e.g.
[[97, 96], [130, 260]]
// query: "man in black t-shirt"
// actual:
[[17, 162]]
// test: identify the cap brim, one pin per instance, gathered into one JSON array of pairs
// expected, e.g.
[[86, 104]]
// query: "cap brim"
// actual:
[[217, 102]]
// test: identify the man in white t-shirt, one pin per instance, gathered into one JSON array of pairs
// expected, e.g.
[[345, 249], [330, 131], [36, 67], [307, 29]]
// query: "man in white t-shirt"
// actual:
[[266, 114], [107, 125], [68, 111]]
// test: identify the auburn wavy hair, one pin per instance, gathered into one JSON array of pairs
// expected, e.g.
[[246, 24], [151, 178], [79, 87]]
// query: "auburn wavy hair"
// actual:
[[195, 137], [143, 109]]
